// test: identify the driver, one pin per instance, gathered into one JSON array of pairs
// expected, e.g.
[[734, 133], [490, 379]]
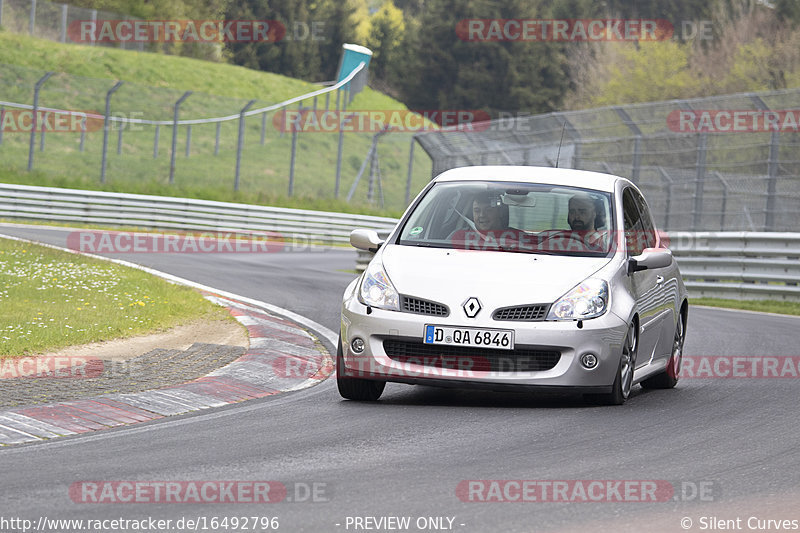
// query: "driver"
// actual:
[[585, 216]]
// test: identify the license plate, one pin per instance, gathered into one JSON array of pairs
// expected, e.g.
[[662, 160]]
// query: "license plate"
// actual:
[[502, 339]]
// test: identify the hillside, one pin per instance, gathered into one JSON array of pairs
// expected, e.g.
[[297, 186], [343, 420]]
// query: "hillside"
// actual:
[[153, 82]]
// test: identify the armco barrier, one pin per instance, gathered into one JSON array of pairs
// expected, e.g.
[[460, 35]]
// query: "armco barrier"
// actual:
[[159, 212], [732, 265], [738, 265]]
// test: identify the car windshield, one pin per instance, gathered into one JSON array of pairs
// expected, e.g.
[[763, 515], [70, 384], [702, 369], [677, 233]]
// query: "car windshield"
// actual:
[[512, 217]]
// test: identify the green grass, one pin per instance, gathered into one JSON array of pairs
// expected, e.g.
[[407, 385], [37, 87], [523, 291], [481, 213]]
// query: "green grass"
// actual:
[[53, 299], [153, 82], [765, 306]]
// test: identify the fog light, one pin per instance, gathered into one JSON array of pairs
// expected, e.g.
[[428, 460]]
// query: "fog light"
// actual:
[[357, 345], [589, 360]]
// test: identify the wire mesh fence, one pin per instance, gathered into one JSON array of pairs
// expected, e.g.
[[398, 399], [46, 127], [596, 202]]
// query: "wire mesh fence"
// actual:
[[718, 163], [181, 140]]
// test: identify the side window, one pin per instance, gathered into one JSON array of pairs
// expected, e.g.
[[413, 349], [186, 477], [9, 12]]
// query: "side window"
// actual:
[[647, 221], [634, 231]]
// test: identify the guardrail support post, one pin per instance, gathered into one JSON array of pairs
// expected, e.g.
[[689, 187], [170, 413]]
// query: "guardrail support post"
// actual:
[[240, 143], [175, 135], [34, 120], [294, 150], [106, 126]]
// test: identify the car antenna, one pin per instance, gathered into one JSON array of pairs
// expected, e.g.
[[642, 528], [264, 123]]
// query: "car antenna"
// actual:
[[558, 155]]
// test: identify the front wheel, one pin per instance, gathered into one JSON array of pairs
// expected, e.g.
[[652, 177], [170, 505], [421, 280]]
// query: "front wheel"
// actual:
[[669, 377], [623, 382], [352, 388]]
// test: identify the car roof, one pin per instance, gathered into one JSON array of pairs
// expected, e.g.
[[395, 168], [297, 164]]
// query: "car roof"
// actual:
[[527, 174]]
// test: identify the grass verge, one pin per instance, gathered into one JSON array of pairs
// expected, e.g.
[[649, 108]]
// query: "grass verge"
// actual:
[[764, 306], [53, 299]]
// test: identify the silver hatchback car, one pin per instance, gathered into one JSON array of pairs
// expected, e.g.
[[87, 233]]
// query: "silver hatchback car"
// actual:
[[507, 277]]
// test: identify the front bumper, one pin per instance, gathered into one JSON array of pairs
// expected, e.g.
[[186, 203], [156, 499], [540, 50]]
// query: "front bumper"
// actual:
[[602, 336]]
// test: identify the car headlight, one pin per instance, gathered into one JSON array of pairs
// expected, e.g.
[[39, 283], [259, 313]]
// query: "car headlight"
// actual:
[[589, 299], [376, 289]]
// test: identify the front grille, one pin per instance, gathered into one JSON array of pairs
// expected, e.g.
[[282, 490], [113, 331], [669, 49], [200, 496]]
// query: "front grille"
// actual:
[[470, 359], [423, 307], [522, 312]]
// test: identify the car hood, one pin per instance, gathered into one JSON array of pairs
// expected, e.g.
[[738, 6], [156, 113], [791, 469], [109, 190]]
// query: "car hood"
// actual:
[[499, 279]]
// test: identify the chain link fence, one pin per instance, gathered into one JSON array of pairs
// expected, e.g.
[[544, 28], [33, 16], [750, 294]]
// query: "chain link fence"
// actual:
[[719, 163], [153, 140], [62, 23]]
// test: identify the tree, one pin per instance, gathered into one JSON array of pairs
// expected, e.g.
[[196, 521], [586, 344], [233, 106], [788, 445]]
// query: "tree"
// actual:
[[387, 30]]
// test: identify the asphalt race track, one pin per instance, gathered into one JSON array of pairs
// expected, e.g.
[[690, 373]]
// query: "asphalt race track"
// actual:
[[404, 456]]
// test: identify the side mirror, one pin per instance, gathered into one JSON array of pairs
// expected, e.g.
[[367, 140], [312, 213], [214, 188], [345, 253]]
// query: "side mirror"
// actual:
[[650, 258], [365, 239]]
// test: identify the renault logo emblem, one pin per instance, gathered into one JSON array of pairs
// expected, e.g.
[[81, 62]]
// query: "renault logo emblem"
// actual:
[[472, 307]]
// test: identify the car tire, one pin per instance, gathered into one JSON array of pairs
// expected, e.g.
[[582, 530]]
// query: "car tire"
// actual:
[[352, 388], [669, 377], [623, 381]]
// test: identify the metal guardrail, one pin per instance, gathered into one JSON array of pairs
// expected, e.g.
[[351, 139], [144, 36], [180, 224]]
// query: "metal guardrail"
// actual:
[[731, 265], [165, 213], [738, 265]]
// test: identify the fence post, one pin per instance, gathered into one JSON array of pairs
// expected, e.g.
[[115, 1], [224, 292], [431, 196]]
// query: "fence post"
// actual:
[[188, 139], [239, 143], [1, 12], [94, 27], [637, 142], [34, 119], [83, 136], [106, 126], [294, 150], [32, 18], [2, 110], [216, 139], [120, 127], [667, 207], [702, 143], [340, 120], [64, 8], [772, 168], [410, 168], [175, 112], [155, 141], [263, 128], [724, 199]]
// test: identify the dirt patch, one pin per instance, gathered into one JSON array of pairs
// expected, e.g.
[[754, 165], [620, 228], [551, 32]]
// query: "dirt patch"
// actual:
[[226, 332]]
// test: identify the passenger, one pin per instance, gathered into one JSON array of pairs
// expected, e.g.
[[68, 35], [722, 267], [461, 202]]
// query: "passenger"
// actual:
[[489, 213]]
